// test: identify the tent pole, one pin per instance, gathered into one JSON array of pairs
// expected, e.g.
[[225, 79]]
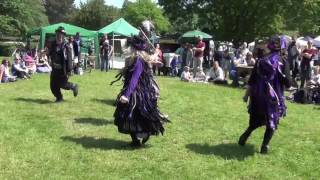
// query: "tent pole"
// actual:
[[112, 50]]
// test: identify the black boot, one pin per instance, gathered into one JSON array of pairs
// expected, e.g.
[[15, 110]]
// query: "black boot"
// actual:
[[144, 140], [266, 139], [58, 100], [75, 90], [135, 141], [243, 138]]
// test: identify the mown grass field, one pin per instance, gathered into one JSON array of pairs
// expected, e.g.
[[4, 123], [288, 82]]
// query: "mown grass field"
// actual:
[[76, 139]]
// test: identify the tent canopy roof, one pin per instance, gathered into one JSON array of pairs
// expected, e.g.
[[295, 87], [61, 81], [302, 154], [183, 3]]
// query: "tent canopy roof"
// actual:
[[195, 33], [120, 27], [70, 30]]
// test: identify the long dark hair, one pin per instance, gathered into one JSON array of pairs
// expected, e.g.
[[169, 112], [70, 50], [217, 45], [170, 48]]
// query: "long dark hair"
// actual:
[[4, 61]]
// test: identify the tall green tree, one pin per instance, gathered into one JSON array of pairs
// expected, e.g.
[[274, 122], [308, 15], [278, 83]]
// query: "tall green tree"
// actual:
[[246, 19], [17, 16], [303, 16], [141, 10], [95, 15], [58, 10]]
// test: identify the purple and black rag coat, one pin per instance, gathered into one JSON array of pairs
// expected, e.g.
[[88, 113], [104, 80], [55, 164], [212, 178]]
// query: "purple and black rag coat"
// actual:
[[267, 84], [141, 115]]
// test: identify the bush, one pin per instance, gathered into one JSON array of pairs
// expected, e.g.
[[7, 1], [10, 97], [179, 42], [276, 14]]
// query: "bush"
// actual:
[[7, 50]]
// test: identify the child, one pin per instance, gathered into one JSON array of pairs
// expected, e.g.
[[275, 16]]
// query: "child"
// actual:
[[185, 75]]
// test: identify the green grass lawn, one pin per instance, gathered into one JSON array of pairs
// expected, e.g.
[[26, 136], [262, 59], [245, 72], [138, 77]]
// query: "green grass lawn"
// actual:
[[77, 139]]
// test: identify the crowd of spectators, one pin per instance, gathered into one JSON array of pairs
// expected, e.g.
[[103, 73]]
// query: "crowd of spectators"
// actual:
[[227, 63]]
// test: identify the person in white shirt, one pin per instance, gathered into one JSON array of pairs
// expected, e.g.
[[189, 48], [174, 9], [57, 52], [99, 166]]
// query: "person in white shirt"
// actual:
[[247, 61], [19, 70], [200, 75], [244, 49], [315, 79], [185, 75], [216, 74], [5, 73]]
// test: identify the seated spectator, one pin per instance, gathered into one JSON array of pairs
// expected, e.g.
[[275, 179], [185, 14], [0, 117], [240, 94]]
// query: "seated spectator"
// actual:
[[315, 79], [200, 76], [250, 61], [42, 63], [216, 74], [5, 73], [247, 61], [30, 64], [185, 75], [19, 70]]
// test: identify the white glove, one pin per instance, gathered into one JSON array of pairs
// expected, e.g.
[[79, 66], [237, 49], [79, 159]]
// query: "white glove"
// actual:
[[124, 99]]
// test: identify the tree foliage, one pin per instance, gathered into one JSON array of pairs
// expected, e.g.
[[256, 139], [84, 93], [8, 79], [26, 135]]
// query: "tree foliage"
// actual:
[[244, 20], [58, 10], [95, 15], [303, 16], [141, 10], [17, 16]]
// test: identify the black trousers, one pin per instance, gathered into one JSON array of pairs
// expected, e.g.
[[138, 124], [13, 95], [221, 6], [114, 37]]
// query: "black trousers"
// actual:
[[267, 134], [58, 81]]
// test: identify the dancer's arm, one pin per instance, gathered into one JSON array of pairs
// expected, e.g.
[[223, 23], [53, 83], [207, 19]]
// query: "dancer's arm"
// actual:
[[138, 68]]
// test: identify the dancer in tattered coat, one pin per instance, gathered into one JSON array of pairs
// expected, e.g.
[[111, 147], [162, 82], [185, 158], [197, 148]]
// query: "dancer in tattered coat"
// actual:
[[266, 87], [137, 111]]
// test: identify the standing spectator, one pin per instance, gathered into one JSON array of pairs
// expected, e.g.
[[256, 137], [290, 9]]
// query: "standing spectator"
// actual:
[[77, 44], [189, 58], [5, 73], [305, 65], [293, 58], [226, 62], [211, 52], [105, 49], [174, 66], [70, 45], [181, 55], [198, 54], [91, 48], [158, 66], [216, 74], [218, 55]]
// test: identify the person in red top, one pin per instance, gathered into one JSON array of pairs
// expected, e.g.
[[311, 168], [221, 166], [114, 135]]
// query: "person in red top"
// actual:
[[198, 54], [305, 65]]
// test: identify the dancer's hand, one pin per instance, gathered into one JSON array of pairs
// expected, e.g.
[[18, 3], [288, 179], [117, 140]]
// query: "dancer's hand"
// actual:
[[245, 98], [124, 99]]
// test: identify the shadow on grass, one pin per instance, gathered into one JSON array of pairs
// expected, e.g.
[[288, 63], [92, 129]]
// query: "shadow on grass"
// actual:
[[93, 121], [100, 143], [226, 151], [110, 102], [37, 101]]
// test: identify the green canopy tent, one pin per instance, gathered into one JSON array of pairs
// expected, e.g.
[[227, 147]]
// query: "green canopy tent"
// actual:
[[195, 33], [70, 30], [119, 27], [191, 35]]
